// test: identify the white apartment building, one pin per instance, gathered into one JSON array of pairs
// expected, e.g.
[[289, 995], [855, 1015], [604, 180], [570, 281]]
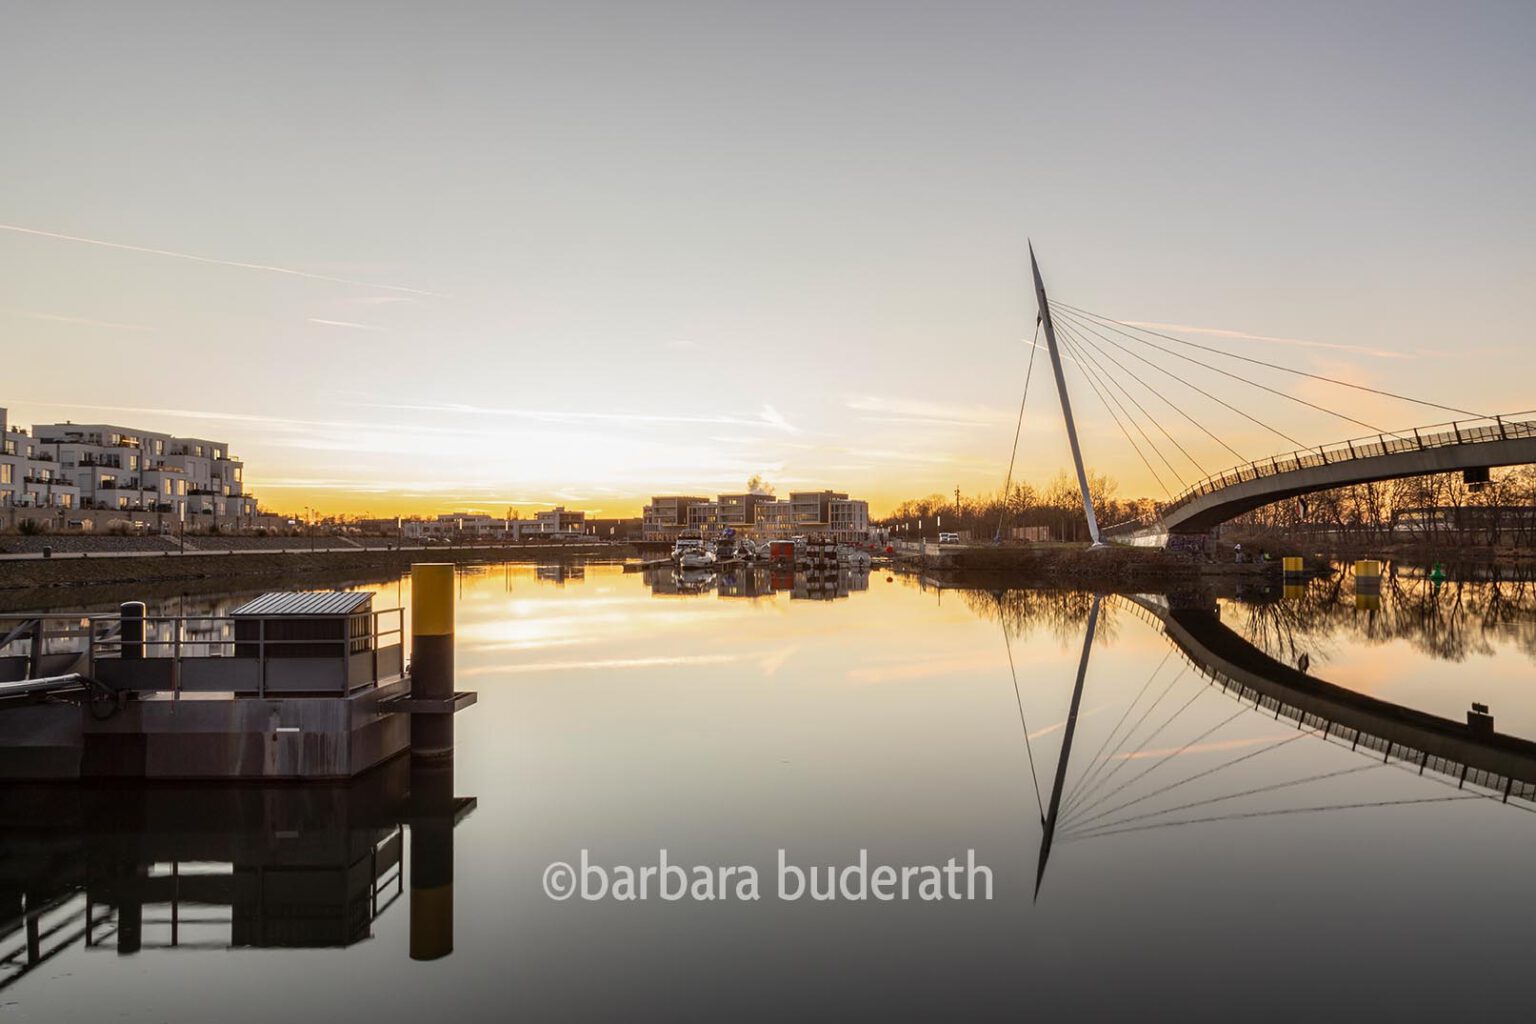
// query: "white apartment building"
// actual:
[[30, 476], [99, 466]]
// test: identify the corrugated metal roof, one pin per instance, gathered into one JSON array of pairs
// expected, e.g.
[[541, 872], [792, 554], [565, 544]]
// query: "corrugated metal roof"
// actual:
[[314, 602]]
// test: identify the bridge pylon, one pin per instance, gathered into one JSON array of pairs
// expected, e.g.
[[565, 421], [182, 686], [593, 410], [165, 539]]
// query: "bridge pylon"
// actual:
[[1066, 402]]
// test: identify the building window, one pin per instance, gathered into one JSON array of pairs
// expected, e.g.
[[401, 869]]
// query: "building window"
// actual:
[[7, 473]]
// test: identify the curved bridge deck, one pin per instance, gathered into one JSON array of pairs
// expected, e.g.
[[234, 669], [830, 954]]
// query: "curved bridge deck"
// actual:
[[1442, 448]]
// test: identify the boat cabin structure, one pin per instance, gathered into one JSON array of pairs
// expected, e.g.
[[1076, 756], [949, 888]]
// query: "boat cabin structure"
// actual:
[[309, 685]]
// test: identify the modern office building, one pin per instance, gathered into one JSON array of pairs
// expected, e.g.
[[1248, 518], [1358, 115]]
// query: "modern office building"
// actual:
[[759, 515], [555, 522], [668, 515]]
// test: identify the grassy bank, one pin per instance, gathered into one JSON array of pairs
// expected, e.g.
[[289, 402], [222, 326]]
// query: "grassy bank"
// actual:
[[1079, 564]]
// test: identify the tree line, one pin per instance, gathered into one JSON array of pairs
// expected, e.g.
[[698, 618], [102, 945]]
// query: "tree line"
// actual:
[[1440, 508]]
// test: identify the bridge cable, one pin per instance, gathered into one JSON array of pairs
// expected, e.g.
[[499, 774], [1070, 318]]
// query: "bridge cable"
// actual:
[[1094, 760], [1251, 383], [1028, 747], [1288, 810], [1277, 366], [1017, 430], [1255, 791], [1095, 778], [1102, 389], [1160, 762], [1084, 339], [1083, 794], [1207, 394], [1088, 376], [1106, 376], [1202, 774]]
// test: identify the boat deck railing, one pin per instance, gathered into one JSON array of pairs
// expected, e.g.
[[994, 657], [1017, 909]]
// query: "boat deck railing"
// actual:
[[207, 653]]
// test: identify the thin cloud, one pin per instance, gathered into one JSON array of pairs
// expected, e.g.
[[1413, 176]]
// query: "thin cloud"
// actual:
[[925, 421], [922, 410], [773, 418], [769, 418], [343, 323], [82, 321], [377, 300], [16, 228], [1222, 332]]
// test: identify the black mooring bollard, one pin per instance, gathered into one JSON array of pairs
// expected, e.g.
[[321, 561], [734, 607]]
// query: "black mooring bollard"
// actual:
[[131, 615]]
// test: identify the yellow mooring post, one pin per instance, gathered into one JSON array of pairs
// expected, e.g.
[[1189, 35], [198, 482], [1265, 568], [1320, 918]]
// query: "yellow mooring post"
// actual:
[[1368, 584], [431, 923], [1293, 579], [432, 656], [432, 858]]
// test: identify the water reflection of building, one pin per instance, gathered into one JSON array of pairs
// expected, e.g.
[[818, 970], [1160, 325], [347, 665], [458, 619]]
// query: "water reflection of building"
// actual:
[[669, 581], [746, 581], [140, 868], [830, 584], [561, 572], [758, 581]]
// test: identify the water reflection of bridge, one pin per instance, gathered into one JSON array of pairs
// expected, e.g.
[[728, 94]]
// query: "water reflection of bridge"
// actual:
[[1469, 759], [1470, 752], [134, 868]]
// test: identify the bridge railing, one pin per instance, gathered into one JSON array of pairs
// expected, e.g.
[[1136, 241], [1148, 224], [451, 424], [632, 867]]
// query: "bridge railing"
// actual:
[[1438, 435]]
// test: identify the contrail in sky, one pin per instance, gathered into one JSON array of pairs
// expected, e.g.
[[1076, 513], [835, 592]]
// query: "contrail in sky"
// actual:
[[1245, 336], [208, 259]]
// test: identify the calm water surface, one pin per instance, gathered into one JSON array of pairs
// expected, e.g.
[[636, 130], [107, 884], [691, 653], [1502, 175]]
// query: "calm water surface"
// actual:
[[1208, 859]]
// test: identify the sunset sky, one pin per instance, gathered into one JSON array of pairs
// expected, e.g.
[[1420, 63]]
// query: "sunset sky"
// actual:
[[428, 257]]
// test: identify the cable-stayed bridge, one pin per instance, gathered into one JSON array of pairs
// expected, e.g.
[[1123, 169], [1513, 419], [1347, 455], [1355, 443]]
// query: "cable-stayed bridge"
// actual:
[[1165, 395], [1443, 448]]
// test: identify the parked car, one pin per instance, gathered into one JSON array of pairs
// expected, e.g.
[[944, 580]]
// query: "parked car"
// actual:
[[949, 538]]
